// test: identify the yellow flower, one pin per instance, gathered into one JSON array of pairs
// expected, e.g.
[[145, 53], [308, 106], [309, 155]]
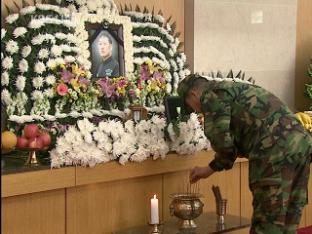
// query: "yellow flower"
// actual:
[[149, 88], [75, 84], [121, 91], [77, 71], [151, 66]]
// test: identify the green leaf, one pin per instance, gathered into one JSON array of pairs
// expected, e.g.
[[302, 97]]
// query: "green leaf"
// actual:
[[174, 26], [17, 6], [178, 34], [24, 4], [169, 19], [137, 8], [121, 9], [8, 9]]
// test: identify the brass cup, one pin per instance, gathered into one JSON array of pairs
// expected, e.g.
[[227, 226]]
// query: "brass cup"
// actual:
[[186, 207], [221, 210], [32, 159]]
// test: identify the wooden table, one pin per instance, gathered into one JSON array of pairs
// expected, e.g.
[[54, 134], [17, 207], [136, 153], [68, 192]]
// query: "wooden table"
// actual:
[[207, 223]]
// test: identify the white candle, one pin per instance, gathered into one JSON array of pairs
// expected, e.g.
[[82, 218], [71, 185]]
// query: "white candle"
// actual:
[[154, 210]]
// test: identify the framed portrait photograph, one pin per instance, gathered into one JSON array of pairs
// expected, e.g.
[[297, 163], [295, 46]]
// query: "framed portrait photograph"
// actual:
[[106, 46]]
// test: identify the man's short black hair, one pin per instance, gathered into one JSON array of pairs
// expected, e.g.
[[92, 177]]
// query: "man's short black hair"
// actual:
[[108, 38]]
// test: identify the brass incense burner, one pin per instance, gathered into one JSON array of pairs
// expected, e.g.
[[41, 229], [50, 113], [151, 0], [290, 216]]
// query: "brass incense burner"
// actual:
[[186, 207]]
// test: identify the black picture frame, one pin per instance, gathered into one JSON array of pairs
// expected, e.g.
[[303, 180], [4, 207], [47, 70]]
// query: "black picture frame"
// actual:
[[115, 33], [173, 107]]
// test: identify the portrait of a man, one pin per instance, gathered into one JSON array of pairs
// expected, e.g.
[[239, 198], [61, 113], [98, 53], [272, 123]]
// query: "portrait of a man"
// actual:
[[105, 56], [108, 65], [106, 46]]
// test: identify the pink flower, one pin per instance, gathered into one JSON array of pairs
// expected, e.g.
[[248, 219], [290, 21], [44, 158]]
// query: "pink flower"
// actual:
[[62, 89], [66, 76]]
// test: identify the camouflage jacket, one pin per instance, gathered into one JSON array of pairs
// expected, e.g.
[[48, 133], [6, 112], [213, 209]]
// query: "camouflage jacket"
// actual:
[[240, 119]]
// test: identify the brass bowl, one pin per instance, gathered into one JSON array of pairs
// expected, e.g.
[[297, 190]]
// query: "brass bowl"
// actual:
[[186, 207]]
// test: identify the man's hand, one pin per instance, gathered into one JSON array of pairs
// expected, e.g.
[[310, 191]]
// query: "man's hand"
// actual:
[[198, 173]]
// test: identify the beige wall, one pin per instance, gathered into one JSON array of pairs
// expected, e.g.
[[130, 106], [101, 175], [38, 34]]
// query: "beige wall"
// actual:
[[276, 53], [303, 51], [225, 38]]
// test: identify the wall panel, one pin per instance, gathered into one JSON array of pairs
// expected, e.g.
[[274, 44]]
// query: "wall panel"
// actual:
[[106, 207], [303, 51], [35, 213]]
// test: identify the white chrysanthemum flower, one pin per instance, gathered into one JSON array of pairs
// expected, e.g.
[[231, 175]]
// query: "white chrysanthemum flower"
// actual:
[[59, 60], [70, 59], [27, 10], [168, 88], [26, 51], [11, 47], [85, 126], [36, 23], [5, 79], [6, 97], [23, 66], [39, 67], [56, 51], [36, 95], [43, 53], [51, 63], [37, 82], [7, 63], [187, 72], [49, 92], [11, 18], [20, 83], [83, 9], [92, 6], [19, 31], [3, 33], [72, 8], [50, 80]]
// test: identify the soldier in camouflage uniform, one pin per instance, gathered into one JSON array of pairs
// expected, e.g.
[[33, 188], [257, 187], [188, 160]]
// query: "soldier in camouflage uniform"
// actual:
[[247, 121]]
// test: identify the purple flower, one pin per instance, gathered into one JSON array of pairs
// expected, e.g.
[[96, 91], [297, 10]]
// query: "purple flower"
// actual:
[[121, 83], [106, 87], [144, 73], [84, 81], [66, 76], [158, 76]]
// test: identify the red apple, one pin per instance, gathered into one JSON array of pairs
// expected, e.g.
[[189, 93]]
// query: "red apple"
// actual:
[[22, 142], [31, 131], [45, 138], [35, 143]]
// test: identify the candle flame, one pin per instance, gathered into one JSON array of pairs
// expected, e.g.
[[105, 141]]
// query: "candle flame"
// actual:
[[154, 196]]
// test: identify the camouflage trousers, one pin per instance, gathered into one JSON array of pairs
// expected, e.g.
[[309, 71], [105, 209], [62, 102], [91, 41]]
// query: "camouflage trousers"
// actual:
[[278, 205], [279, 188]]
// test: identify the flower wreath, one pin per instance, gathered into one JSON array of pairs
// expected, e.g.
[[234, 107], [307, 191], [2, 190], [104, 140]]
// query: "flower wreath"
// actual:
[[43, 38]]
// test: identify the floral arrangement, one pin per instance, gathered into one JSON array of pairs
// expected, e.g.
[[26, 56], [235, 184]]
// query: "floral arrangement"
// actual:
[[155, 39], [88, 144], [99, 7], [115, 93], [73, 89], [33, 42], [308, 86], [150, 84], [187, 137]]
